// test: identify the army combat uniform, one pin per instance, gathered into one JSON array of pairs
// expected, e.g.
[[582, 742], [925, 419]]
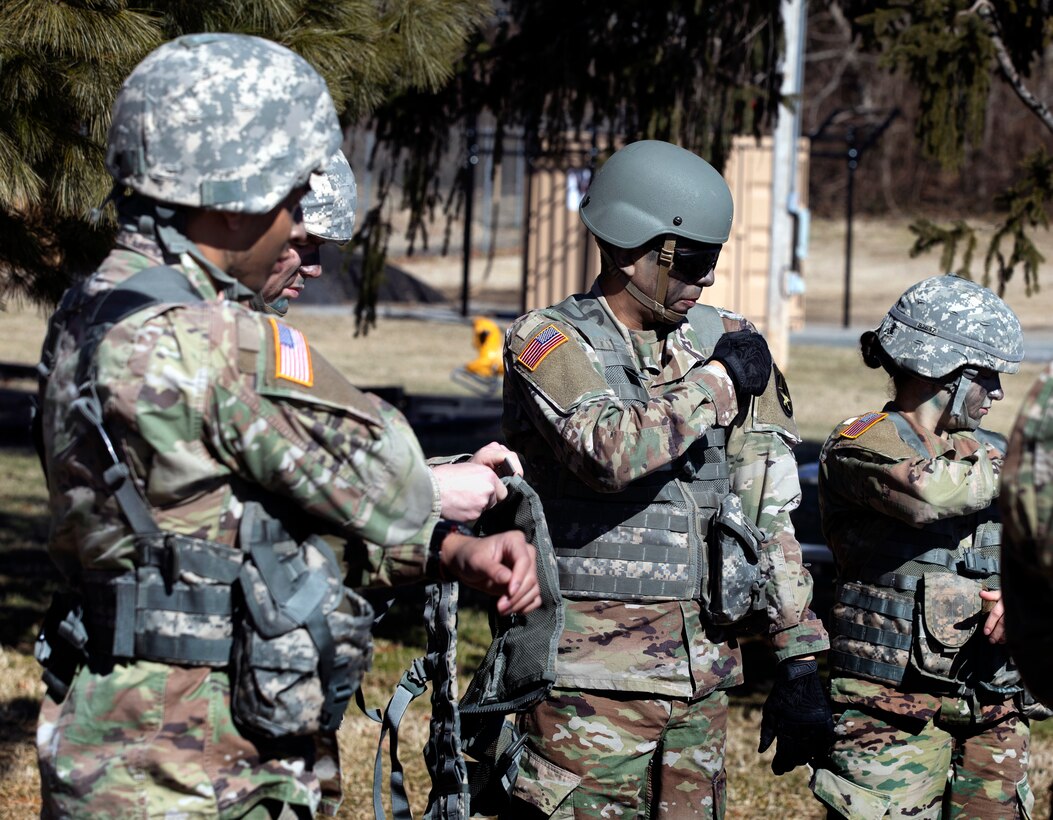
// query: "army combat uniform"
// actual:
[[212, 406], [627, 437], [1027, 553], [928, 725]]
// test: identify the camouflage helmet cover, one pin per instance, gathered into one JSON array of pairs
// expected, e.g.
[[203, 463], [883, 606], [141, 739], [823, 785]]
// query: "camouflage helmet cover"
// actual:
[[221, 121], [945, 322], [652, 188], [329, 204]]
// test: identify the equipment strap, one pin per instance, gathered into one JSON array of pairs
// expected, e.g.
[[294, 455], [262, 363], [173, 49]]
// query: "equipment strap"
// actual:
[[871, 634], [903, 610], [883, 671]]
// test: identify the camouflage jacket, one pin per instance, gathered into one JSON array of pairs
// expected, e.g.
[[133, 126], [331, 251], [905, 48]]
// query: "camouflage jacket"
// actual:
[[1027, 553], [198, 398], [564, 414], [212, 404], [873, 483]]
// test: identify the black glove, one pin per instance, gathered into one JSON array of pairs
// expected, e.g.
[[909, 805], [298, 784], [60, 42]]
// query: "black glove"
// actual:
[[798, 714], [745, 356]]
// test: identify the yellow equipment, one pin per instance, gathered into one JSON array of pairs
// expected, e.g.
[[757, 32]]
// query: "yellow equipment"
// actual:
[[482, 374]]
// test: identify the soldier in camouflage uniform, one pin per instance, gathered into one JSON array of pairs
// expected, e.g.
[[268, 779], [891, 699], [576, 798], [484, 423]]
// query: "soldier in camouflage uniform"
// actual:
[[928, 700], [164, 424], [1026, 501], [658, 435], [468, 483], [327, 214]]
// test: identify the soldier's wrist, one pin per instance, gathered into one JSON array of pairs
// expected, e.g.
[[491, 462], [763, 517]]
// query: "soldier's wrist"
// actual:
[[444, 531]]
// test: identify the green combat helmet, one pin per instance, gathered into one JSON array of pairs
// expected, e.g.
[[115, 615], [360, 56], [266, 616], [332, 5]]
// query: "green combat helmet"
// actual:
[[329, 205], [224, 122], [651, 189], [944, 324]]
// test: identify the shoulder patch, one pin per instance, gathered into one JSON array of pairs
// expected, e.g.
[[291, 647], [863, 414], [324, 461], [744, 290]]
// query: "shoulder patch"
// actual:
[[292, 354], [782, 391], [543, 343], [773, 409], [862, 424]]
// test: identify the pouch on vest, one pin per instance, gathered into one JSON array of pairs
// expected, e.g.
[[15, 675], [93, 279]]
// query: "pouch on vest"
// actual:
[[303, 640], [946, 620], [736, 582]]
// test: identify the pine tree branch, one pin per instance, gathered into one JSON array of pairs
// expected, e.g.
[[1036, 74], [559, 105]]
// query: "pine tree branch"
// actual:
[[984, 10]]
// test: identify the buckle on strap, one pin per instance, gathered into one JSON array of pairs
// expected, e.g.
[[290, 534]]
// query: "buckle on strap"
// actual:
[[975, 565]]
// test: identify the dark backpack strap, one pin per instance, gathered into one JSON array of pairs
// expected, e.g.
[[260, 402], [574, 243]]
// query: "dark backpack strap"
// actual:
[[449, 798]]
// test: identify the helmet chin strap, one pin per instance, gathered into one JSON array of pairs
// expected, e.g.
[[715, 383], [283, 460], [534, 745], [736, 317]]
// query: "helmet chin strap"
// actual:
[[957, 417], [656, 305]]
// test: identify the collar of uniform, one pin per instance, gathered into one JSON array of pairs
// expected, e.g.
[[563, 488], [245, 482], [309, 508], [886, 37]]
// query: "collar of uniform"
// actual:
[[142, 244], [680, 359], [198, 277], [936, 445], [597, 292]]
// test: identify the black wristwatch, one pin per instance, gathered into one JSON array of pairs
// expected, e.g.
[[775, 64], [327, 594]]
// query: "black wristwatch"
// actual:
[[443, 528]]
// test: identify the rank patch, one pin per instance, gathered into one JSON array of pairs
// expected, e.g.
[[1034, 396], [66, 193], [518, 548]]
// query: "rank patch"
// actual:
[[292, 355], [862, 424], [540, 346]]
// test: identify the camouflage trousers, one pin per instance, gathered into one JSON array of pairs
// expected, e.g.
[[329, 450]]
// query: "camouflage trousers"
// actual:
[[601, 755], [885, 765], [149, 740]]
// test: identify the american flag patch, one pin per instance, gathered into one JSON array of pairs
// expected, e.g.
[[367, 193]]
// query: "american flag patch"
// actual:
[[540, 346], [292, 355], [862, 424]]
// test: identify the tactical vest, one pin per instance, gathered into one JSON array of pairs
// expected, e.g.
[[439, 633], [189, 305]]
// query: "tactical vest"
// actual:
[[648, 542], [917, 603], [295, 607]]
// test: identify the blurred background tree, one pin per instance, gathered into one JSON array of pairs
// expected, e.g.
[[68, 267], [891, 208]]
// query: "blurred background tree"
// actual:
[[976, 137], [62, 62], [418, 75]]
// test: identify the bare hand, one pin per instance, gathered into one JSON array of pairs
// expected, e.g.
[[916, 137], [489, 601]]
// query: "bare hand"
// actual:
[[994, 626], [498, 458], [502, 565], [467, 489]]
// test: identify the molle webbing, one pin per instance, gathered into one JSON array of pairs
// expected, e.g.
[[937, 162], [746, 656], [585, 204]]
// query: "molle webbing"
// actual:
[[151, 614], [883, 610], [646, 542]]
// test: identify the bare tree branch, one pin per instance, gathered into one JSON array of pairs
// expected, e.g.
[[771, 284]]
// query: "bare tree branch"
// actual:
[[986, 13]]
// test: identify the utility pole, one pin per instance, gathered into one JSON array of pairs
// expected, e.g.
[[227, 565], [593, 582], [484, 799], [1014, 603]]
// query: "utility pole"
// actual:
[[784, 180]]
